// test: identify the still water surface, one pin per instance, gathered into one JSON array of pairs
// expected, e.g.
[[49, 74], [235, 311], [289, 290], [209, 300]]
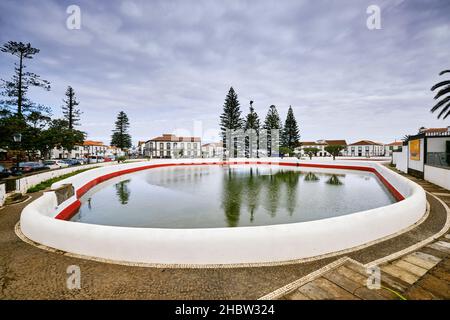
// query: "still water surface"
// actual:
[[215, 196]]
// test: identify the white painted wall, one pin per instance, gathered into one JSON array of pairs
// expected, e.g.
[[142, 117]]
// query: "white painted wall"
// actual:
[[417, 164], [401, 159], [223, 245], [2, 194], [23, 184], [438, 176]]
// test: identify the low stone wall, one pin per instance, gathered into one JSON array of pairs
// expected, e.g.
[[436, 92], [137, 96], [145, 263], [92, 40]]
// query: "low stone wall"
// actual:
[[23, 184], [438, 176], [2, 194], [262, 244]]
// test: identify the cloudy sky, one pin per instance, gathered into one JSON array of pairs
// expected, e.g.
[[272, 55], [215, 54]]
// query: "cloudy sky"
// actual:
[[169, 64]]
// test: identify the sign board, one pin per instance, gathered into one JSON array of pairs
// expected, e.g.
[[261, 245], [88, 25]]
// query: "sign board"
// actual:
[[414, 150]]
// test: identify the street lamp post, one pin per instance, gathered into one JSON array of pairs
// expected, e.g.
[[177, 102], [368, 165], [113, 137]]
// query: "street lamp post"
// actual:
[[17, 137]]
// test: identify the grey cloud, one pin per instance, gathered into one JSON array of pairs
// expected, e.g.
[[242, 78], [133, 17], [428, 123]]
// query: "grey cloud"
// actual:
[[167, 63]]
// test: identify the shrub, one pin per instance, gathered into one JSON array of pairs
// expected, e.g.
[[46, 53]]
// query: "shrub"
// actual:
[[47, 183]]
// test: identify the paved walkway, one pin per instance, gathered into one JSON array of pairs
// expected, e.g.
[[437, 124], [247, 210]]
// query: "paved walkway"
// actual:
[[421, 274], [27, 272]]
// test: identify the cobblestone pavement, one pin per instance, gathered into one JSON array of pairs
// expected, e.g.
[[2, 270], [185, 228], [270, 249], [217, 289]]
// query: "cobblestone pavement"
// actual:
[[27, 272], [423, 274]]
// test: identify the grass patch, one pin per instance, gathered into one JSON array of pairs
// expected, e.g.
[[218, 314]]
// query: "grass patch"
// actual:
[[47, 183]]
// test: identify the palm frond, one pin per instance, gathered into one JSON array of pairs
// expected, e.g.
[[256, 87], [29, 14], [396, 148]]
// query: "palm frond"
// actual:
[[442, 92], [440, 84], [440, 104], [445, 109]]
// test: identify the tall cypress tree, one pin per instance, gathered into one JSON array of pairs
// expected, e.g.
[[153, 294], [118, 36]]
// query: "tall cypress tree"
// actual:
[[120, 137], [230, 119], [291, 134], [251, 123], [70, 111], [252, 120], [272, 120]]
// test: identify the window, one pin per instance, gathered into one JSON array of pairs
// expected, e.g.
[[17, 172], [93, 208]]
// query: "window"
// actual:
[[189, 145], [161, 145], [195, 146], [168, 145]]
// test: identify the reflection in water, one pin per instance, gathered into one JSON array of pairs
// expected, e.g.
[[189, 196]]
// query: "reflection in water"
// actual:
[[310, 176], [254, 189], [233, 196], [290, 178], [334, 180], [122, 191]]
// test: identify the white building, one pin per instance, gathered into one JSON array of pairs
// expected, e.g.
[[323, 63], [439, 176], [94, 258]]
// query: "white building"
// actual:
[[365, 148], [320, 146], [171, 146], [212, 150], [94, 148], [392, 147], [113, 152], [426, 155], [89, 148], [78, 152]]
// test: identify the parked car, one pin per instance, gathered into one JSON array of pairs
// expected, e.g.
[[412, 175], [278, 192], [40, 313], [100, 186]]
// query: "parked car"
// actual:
[[72, 162], [28, 167], [95, 159], [4, 173], [55, 164]]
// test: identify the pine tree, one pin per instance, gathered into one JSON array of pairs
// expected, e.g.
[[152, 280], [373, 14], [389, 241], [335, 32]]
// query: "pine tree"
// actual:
[[16, 89], [291, 134], [120, 137], [70, 111], [272, 122], [230, 119], [252, 120], [251, 123]]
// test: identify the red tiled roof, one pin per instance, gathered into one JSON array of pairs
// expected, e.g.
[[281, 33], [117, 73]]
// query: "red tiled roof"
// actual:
[[396, 143], [435, 130], [336, 142], [92, 143], [364, 143], [308, 143], [174, 138], [213, 144], [311, 143], [327, 142]]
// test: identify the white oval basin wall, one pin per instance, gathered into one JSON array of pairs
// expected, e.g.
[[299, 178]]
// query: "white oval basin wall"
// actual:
[[46, 223]]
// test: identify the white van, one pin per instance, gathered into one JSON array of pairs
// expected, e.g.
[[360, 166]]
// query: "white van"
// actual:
[[95, 159]]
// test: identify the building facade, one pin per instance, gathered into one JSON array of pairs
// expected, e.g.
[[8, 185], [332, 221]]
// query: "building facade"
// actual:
[[320, 145], [365, 148], [212, 150], [94, 148], [171, 146], [426, 155], [392, 147], [78, 152]]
